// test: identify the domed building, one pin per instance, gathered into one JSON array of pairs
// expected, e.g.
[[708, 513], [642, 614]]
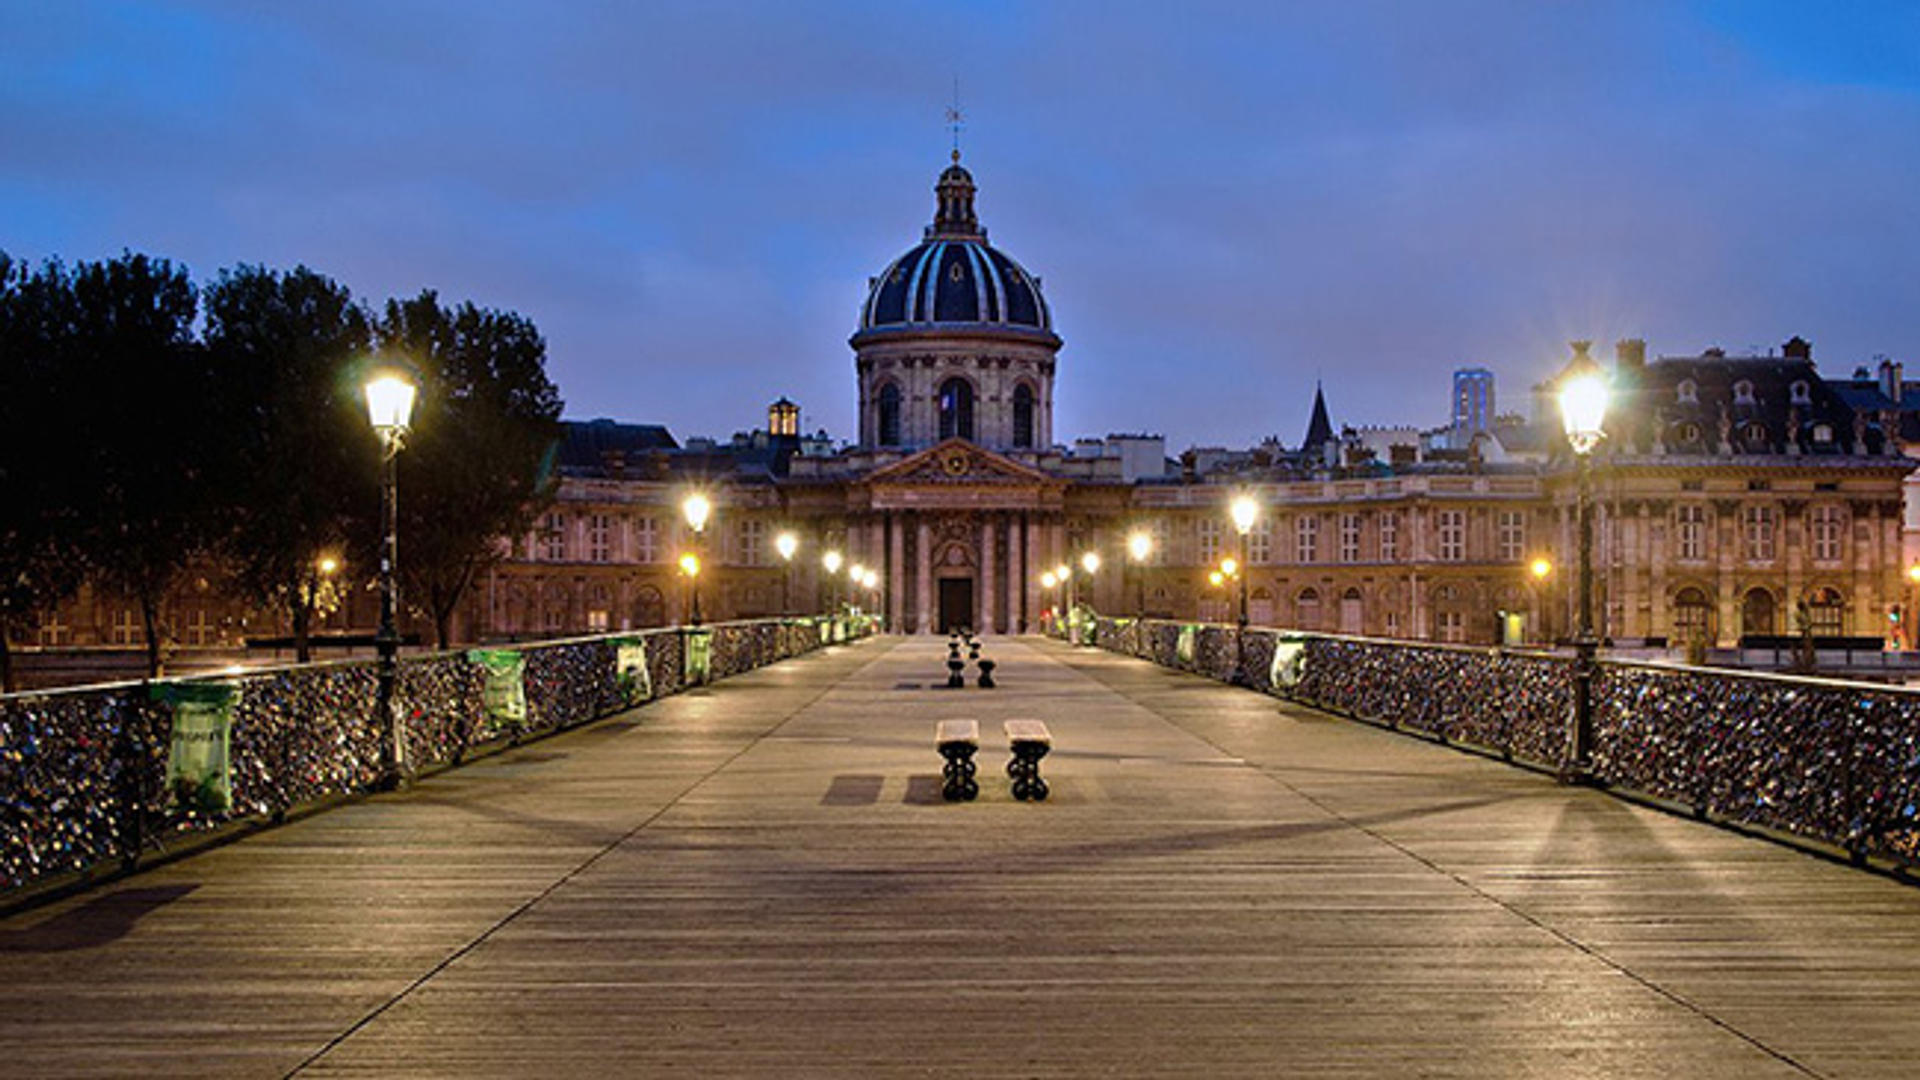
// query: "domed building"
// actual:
[[955, 340]]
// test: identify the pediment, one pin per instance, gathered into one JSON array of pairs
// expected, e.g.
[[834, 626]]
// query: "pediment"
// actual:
[[957, 462]]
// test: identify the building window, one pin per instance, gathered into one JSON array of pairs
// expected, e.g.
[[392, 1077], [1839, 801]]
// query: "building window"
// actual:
[[1453, 535], [1162, 532], [1023, 415], [1823, 434], [889, 425], [1689, 433], [1756, 613], [1755, 434], [1450, 626], [1743, 393], [126, 626], [1260, 542], [554, 537], [1827, 531], [1209, 537], [1513, 535], [1799, 392], [1349, 538], [1826, 613], [1389, 535], [1688, 392], [749, 542], [1690, 526], [956, 409], [200, 627], [1692, 615], [646, 540], [599, 538], [1306, 537], [1759, 533], [1306, 608], [52, 630]]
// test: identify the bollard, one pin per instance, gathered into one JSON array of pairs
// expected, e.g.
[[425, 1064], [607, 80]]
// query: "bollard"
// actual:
[[986, 674], [956, 681]]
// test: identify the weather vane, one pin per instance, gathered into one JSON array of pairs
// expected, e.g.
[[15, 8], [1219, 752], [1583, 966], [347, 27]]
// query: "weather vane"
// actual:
[[955, 119]]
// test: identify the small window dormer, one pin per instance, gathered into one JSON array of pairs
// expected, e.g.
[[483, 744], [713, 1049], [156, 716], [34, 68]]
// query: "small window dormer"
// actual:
[[1743, 392], [1755, 434], [1823, 434], [1688, 392], [1800, 392]]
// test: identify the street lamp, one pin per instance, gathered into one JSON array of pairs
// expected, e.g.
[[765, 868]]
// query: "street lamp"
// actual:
[[856, 576], [1542, 568], [696, 508], [786, 544], [1244, 511], [831, 561], [1140, 548], [390, 395], [1583, 412]]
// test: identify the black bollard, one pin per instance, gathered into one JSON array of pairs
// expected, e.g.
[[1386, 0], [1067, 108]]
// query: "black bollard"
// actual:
[[955, 680], [986, 675]]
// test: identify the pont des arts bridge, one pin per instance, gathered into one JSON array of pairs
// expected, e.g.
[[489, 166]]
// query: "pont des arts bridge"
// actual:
[[84, 774], [1829, 763], [760, 877]]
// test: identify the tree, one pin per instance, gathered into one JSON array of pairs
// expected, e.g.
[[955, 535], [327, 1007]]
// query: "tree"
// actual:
[[485, 425], [307, 463], [41, 559], [151, 429]]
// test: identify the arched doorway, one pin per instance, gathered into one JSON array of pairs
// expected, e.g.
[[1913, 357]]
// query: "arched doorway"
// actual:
[[1757, 613], [1306, 608], [1352, 613], [1692, 615], [649, 607]]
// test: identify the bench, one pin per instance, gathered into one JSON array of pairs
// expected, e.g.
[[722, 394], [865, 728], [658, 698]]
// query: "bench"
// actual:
[[1029, 740], [958, 741]]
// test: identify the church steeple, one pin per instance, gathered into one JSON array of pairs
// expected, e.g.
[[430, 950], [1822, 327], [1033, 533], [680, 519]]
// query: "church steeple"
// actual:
[[954, 218], [1319, 428]]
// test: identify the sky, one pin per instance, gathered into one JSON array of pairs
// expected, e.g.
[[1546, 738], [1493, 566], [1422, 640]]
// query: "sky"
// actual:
[[1226, 202]]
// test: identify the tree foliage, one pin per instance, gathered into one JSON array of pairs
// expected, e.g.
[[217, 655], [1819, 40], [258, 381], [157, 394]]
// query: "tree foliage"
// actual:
[[305, 460], [152, 423], [484, 428], [41, 562]]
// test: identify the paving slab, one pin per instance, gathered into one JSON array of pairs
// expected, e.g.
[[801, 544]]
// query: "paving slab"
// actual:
[[762, 879]]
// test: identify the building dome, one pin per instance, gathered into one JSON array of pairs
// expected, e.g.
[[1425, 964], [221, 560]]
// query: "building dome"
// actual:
[[954, 277]]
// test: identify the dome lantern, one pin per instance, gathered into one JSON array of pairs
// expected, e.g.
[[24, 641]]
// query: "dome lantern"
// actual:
[[954, 218]]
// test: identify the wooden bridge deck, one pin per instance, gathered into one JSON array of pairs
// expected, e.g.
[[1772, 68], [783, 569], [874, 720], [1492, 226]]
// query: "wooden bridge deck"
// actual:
[[761, 880]]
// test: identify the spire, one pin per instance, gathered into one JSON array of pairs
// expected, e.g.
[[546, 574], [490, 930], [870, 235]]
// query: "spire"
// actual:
[[1319, 428]]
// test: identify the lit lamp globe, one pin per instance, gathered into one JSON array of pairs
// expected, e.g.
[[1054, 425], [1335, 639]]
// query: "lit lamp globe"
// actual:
[[1090, 562], [1583, 404], [786, 544], [690, 564], [1540, 568], [696, 507], [1048, 580], [1062, 572], [390, 403], [831, 560], [1244, 511], [1230, 566], [1140, 546]]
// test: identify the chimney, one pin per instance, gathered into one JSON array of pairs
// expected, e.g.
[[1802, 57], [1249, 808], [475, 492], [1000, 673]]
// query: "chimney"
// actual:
[[1890, 379], [1797, 348], [1630, 354]]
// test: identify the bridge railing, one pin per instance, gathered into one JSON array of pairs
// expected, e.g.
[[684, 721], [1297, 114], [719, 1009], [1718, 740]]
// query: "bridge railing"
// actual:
[[83, 772], [1831, 761]]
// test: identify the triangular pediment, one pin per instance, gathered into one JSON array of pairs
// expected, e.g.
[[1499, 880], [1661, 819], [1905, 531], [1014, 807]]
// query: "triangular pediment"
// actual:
[[958, 462]]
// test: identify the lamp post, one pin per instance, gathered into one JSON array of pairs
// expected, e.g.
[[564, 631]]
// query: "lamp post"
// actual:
[[786, 544], [856, 577], [1541, 569], [390, 396], [696, 507], [831, 562], [1583, 411], [1245, 511], [690, 566], [1140, 549], [1048, 582]]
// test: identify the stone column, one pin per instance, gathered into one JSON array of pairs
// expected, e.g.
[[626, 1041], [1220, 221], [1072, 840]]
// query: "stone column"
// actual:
[[896, 575], [987, 577], [923, 586]]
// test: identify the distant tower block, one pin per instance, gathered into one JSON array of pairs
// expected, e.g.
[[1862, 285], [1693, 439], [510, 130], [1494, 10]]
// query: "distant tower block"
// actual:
[[1473, 399], [783, 418]]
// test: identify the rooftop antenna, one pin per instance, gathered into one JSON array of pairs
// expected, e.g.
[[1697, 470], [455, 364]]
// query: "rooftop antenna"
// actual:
[[956, 119]]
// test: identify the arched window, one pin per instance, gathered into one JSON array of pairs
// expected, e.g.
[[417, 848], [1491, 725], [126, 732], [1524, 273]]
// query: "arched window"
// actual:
[[1756, 613], [956, 409], [1307, 609], [1743, 392], [889, 427], [1826, 612], [1688, 392], [1692, 615], [1023, 415]]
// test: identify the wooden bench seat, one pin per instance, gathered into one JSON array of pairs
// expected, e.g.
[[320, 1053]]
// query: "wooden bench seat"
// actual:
[[1030, 741], [958, 741]]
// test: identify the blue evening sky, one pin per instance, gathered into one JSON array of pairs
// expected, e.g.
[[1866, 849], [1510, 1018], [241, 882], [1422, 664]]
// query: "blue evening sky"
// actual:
[[1226, 201]]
